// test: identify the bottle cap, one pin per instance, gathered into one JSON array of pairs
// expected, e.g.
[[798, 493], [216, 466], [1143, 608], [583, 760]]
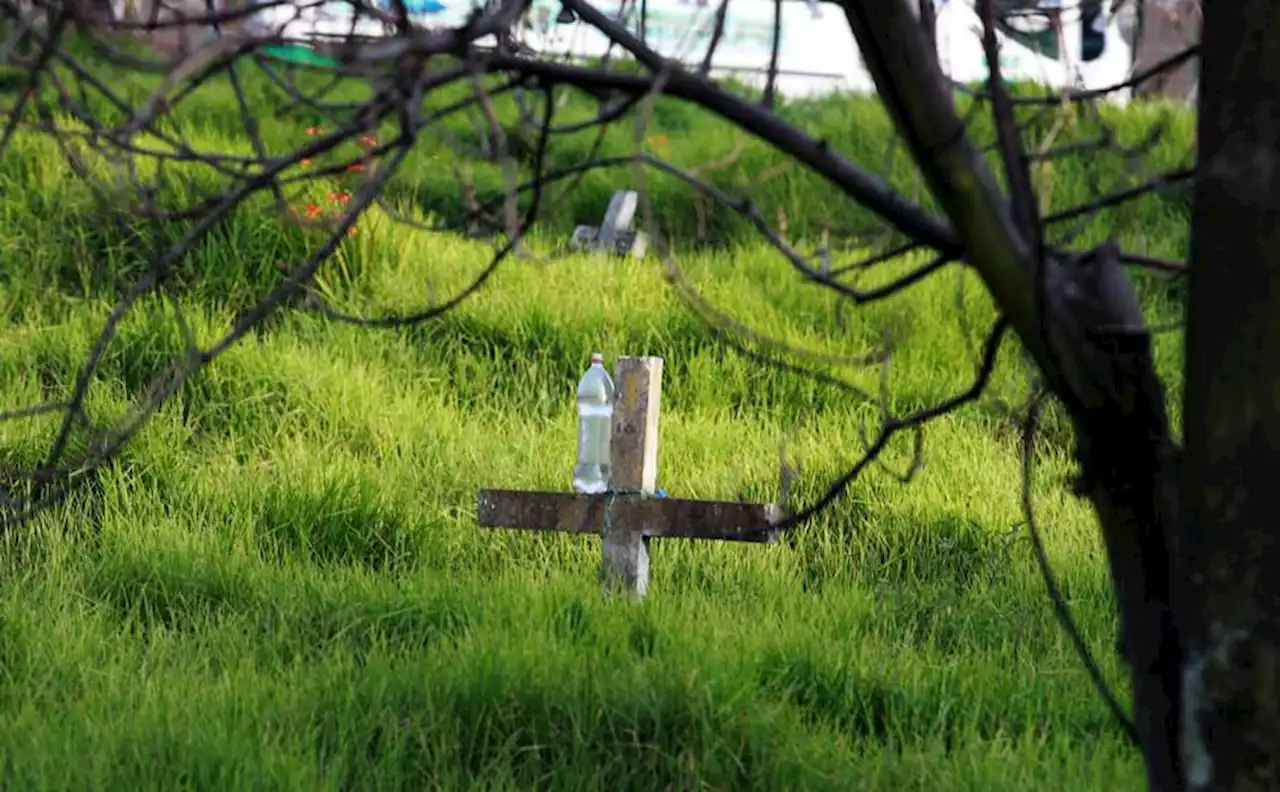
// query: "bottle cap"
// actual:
[[597, 357]]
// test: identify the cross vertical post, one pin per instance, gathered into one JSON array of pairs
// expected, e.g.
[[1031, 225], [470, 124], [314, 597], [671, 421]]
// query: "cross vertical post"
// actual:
[[633, 465], [617, 221]]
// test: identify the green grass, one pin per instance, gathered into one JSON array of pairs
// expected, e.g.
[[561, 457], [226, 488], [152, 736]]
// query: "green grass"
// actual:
[[280, 584]]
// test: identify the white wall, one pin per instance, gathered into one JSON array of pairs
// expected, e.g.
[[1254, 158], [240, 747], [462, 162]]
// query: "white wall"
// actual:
[[818, 53]]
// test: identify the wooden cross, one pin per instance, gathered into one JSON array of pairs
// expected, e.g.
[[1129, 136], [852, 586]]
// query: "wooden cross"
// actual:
[[614, 234], [627, 520]]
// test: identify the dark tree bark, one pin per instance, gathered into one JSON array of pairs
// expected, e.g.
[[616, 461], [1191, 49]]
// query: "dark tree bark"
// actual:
[[1232, 408], [929, 23]]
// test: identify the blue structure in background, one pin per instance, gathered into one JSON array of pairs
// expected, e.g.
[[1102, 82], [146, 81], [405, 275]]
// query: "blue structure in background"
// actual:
[[416, 7]]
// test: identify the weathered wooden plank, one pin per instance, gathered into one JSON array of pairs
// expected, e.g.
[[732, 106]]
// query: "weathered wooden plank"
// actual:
[[664, 517], [633, 465], [633, 447]]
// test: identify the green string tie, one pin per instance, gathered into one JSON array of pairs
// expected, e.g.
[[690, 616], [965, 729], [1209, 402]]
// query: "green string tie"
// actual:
[[612, 495]]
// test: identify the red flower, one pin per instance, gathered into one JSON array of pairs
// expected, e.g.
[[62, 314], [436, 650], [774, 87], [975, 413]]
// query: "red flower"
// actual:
[[355, 167], [351, 231], [313, 131], [312, 210], [368, 141], [306, 161], [340, 197]]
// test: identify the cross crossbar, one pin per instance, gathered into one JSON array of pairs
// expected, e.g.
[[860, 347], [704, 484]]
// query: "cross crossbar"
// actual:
[[670, 518]]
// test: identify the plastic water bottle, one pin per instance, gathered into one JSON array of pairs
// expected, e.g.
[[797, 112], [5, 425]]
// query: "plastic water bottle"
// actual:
[[595, 428]]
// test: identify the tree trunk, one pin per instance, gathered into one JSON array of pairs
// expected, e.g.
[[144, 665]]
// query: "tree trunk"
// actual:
[[1232, 408], [1082, 324]]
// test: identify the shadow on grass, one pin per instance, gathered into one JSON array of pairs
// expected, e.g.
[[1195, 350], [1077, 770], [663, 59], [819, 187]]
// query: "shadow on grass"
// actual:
[[857, 543], [526, 734], [861, 707], [165, 591], [340, 522]]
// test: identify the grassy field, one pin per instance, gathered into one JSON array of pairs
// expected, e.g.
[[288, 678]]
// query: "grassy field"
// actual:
[[280, 583]]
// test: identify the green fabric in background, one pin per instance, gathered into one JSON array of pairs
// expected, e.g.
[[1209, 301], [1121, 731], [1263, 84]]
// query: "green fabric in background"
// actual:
[[298, 53]]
